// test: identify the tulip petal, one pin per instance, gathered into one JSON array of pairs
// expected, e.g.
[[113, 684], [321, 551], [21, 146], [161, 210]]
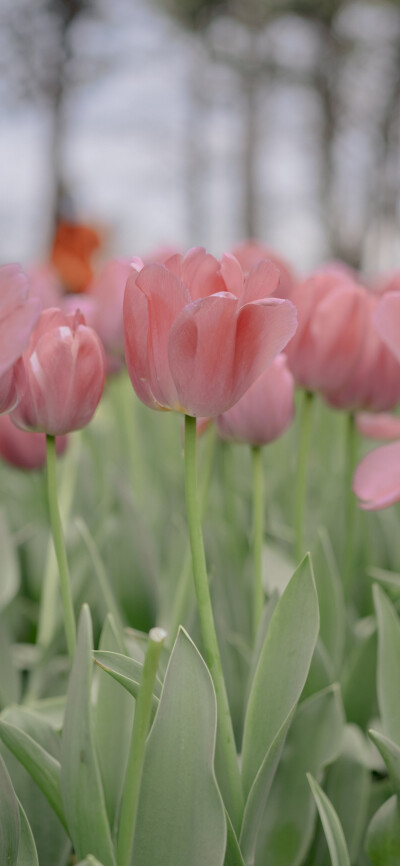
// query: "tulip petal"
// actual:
[[262, 282], [378, 425], [200, 274], [263, 330], [201, 354], [136, 327], [338, 328], [232, 274], [387, 321], [377, 478]]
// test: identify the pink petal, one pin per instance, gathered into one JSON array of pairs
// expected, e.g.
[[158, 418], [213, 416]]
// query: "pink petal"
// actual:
[[200, 274], [378, 425], [136, 328], [338, 328], [232, 275], [377, 478], [166, 297], [263, 330], [387, 321], [262, 282], [201, 354]]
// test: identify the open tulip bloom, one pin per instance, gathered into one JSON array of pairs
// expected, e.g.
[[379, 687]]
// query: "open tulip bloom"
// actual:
[[198, 332]]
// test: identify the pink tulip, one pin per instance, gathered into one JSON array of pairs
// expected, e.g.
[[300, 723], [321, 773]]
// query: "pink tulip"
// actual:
[[18, 315], [250, 253], [198, 332], [25, 450], [45, 284], [380, 425], [60, 375], [387, 321], [265, 411], [377, 478], [333, 316]]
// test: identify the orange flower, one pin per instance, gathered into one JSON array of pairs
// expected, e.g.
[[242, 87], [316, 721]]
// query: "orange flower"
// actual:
[[73, 248]]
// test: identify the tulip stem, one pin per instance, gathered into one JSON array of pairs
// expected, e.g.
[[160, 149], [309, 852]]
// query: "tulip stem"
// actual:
[[302, 467], [230, 781], [134, 771], [350, 499], [59, 546], [258, 535], [184, 584]]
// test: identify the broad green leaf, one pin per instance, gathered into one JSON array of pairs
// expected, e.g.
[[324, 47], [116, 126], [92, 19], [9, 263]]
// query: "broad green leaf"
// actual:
[[313, 741], [348, 786], [9, 569], [321, 673], [358, 680], [27, 854], [9, 820], [388, 674], [44, 769], [390, 580], [112, 726], [81, 787], [330, 600], [260, 637], [126, 671], [257, 799], [35, 727], [282, 668], [331, 824], [391, 755], [89, 861], [50, 710], [383, 836], [233, 854], [181, 818]]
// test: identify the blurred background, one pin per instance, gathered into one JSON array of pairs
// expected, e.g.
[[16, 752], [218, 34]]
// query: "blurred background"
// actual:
[[177, 122]]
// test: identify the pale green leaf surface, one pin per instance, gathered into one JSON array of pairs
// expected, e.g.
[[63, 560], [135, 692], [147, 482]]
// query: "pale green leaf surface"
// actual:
[[313, 741], [331, 824], [383, 836], [391, 755], [126, 671], [81, 786], [9, 568], [27, 854], [181, 818], [9, 820], [282, 668]]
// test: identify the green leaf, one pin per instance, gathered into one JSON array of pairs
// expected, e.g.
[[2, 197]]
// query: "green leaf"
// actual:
[[358, 678], [9, 820], [388, 674], [313, 741], [51, 710], [383, 837], [44, 769], [233, 854], [391, 755], [331, 824], [81, 787], [348, 786], [112, 726], [9, 571], [181, 818], [257, 799], [89, 861], [10, 682], [330, 600], [282, 668], [126, 671], [27, 854]]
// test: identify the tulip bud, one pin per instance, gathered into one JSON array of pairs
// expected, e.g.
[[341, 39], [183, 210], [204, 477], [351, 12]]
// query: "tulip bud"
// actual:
[[18, 315], [60, 375], [265, 411]]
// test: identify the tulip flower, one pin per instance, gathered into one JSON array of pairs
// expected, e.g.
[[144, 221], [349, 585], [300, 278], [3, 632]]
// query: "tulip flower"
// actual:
[[199, 332], [377, 478], [22, 449], [378, 425], [60, 375], [265, 410], [250, 253], [18, 315]]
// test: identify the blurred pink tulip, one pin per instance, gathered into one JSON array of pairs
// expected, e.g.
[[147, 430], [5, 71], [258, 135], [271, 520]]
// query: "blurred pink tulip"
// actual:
[[198, 332], [18, 315], [378, 425], [387, 321], [25, 450], [265, 411], [250, 253], [45, 285], [60, 375], [377, 478]]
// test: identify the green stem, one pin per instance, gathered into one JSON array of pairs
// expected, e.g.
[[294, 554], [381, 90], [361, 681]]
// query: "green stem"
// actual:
[[258, 534], [228, 472], [351, 501], [230, 780], [301, 477], [130, 799], [184, 585], [59, 546]]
